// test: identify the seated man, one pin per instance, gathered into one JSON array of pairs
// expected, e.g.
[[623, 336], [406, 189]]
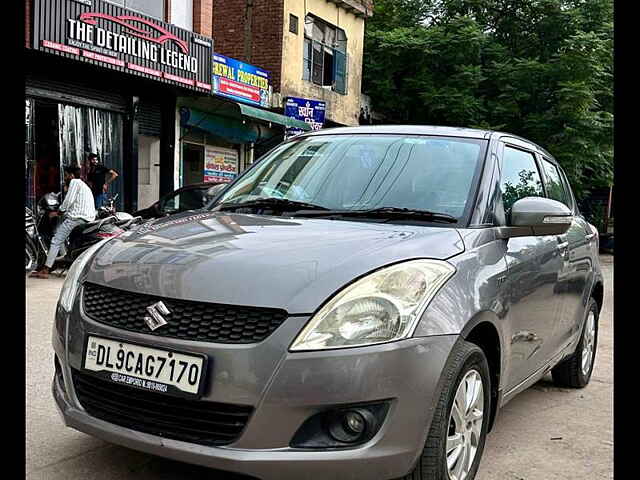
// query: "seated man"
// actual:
[[77, 209]]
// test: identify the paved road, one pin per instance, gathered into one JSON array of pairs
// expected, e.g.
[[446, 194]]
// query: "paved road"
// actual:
[[545, 433]]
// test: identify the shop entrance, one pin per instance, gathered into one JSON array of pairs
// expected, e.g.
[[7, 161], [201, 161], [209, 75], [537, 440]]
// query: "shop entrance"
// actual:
[[193, 164], [46, 152], [59, 135]]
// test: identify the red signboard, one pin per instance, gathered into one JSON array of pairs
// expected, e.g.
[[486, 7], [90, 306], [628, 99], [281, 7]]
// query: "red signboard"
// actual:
[[239, 89]]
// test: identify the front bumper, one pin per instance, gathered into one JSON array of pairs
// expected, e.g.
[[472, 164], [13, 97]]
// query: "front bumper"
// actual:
[[285, 389]]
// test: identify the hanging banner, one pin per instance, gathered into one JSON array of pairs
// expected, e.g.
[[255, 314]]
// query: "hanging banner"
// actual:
[[220, 164], [116, 38], [309, 111], [240, 81]]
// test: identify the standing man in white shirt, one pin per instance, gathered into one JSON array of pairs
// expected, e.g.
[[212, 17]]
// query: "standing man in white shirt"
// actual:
[[77, 208]]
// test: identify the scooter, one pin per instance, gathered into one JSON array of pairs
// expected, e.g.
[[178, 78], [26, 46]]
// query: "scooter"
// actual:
[[40, 228]]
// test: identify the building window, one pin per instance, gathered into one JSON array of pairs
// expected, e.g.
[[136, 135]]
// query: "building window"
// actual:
[[153, 8], [182, 14], [293, 23], [325, 55], [306, 59]]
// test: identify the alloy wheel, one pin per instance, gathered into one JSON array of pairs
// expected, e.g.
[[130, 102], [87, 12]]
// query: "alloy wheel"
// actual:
[[588, 343], [465, 426]]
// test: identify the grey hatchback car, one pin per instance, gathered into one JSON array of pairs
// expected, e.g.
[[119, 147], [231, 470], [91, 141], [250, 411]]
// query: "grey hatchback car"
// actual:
[[357, 305]]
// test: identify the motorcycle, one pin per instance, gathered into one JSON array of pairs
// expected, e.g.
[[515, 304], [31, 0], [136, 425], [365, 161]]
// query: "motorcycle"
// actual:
[[41, 226], [123, 219]]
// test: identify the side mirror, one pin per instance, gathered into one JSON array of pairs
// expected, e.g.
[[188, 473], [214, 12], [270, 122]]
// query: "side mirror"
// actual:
[[536, 216]]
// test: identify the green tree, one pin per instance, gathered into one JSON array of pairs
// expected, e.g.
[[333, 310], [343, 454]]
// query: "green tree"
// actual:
[[542, 69]]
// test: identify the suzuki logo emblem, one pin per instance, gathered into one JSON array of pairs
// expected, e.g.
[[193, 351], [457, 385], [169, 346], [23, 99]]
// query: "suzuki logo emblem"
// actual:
[[156, 320]]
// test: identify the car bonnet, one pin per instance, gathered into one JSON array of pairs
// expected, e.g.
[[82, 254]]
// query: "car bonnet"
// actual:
[[255, 260]]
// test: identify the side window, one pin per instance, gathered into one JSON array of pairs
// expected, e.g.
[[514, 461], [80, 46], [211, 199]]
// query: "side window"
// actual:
[[520, 177], [556, 188]]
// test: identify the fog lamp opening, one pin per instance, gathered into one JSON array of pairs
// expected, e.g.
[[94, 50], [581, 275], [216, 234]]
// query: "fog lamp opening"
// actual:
[[349, 426], [342, 426]]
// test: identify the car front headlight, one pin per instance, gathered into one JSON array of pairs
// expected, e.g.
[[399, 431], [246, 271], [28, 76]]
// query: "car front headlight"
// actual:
[[381, 307], [70, 285]]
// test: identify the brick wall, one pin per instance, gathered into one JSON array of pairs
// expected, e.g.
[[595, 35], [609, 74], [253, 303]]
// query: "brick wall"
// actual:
[[203, 17], [229, 17]]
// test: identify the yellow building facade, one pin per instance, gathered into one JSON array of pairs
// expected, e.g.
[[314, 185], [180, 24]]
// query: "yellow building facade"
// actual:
[[347, 18]]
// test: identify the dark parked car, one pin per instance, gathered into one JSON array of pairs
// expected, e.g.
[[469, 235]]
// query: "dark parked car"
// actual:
[[189, 197], [357, 305]]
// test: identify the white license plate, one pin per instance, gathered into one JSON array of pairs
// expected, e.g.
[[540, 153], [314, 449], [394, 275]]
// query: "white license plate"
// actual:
[[147, 368]]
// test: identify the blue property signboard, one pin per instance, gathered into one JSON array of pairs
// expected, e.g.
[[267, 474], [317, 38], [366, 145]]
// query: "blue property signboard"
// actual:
[[240, 81], [309, 111]]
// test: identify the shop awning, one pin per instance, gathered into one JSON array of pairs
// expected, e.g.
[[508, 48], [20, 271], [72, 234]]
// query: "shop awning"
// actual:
[[232, 129], [267, 116], [237, 122]]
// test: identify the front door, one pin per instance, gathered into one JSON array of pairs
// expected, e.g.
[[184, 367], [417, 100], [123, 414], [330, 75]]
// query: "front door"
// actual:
[[533, 265]]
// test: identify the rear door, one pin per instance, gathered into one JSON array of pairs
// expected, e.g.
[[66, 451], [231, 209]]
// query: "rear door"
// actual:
[[576, 253], [533, 265]]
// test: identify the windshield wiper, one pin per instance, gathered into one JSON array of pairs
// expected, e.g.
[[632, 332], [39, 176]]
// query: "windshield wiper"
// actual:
[[272, 202], [381, 212]]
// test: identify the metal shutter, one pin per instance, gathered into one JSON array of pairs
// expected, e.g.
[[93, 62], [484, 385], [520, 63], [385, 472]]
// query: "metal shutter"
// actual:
[[74, 92], [149, 118]]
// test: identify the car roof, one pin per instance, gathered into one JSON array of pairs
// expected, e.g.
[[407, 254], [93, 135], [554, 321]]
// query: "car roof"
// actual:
[[460, 132], [404, 129]]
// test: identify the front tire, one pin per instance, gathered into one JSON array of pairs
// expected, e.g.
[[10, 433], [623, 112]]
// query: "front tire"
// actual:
[[458, 430], [575, 372]]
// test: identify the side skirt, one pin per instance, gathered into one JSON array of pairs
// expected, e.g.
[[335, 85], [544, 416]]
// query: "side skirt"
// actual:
[[535, 376]]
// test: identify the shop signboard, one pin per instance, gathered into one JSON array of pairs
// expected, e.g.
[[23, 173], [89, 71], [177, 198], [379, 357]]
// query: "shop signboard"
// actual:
[[309, 111], [240, 81], [113, 37], [220, 164]]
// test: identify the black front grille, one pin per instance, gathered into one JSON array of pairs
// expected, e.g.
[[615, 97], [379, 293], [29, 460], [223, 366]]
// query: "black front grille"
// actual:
[[194, 421], [198, 321]]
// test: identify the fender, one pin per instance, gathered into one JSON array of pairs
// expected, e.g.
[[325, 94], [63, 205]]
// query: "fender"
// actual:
[[481, 330], [596, 282]]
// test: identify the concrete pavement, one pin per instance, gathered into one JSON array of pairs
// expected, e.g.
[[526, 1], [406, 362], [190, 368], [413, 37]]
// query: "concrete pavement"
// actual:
[[545, 433]]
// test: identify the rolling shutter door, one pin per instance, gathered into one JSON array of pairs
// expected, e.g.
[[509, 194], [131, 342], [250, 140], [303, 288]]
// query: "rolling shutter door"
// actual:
[[149, 118], [74, 92]]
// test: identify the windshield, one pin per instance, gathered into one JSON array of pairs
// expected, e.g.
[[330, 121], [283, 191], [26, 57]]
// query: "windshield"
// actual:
[[361, 172]]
